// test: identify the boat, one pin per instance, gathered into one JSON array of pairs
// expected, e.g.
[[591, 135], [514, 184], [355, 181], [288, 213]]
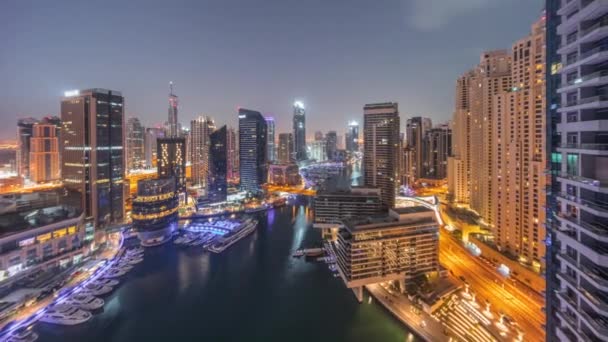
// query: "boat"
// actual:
[[23, 334], [131, 261], [85, 301], [97, 289], [135, 251], [106, 281], [65, 315], [245, 229], [298, 253]]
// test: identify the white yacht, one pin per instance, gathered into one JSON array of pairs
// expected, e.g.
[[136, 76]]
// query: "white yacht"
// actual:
[[97, 289], [65, 315], [23, 334], [85, 301], [131, 261], [114, 273], [105, 281], [135, 251]]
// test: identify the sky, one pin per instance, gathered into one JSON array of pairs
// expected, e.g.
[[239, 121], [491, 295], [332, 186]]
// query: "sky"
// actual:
[[333, 55]]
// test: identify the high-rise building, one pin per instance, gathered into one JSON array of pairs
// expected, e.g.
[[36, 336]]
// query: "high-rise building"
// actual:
[[519, 154], [152, 133], [135, 145], [44, 153], [578, 275], [381, 149], [233, 154], [319, 136], [317, 150], [285, 148], [93, 162], [271, 151], [24, 133], [252, 150], [416, 129], [352, 137], [171, 161], [200, 130], [299, 131], [217, 184], [155, 210], [172, 123], [438, 146], [331, 139]]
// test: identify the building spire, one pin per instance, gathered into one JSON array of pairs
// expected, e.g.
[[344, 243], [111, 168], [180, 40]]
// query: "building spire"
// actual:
[[170, 87]]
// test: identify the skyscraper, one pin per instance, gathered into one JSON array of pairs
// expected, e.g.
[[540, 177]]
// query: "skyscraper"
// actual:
[[172, 125], [270, 150], [152, 133], [380, 149], [200, 130], [352, 137], [44, 153], [24, 133], [217, 188], [319, 136], [285, 148], [93, 162], [416, 129], [135, 144], [438, 146], [171, 160], [332, 144], [252, 150], [577, 279], [233, 154], [299, 131]]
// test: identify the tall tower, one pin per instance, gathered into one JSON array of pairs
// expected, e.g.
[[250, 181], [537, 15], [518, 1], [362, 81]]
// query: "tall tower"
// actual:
[[352, 137], [271, 150], [417, 127], [218, 166], [285, 148], [332, 144], [438, 146], [24, 133], [172, 129], [232, 150], [252, 150], [44, 153], [381, 149], [200, 130], [93, 162], [135, 144], [299, 131]]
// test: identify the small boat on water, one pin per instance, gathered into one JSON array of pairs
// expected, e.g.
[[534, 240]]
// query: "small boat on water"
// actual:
[[106, 282], [85, 302], [97, 289], [65, 315], [23, 334]]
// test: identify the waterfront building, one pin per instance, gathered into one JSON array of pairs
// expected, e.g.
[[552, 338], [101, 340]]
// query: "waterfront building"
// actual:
[[233, 154], [299, 131], [270, 150], [217, 184], [578, 274], [397, 246], [135, 145], [24, 134], [285, 148], [380, 149], [155, 210], [438, 146], [152, 133], [284, 174], [417, 128], [331, 140], [173, 128], [93, 162], [252, 150], [352, 137], [172, 161], [200, 130], [317, 150], [44, 153]]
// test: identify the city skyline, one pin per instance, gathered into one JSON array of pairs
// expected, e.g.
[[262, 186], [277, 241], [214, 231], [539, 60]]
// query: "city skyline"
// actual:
[[202, 84]]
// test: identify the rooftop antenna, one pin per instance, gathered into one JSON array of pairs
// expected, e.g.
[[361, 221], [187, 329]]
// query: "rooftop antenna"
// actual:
[[171, 87]]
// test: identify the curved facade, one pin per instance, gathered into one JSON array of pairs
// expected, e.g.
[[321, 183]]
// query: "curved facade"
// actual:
[[155, 210]]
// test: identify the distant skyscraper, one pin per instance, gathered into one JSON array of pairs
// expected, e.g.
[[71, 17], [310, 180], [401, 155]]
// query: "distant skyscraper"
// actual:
[[93, 152], [299, 131], [200, 130], [352, 137], [24, 133], [416, 129], [152, 133], [233, 154], [217, 189], [172, 160], [380, 150], [332, 144], [172, 124], [44, 153], [252, 150], [319, 136], [317, 150], [271, 139], [135, 145], [438, 146], [285, 148]]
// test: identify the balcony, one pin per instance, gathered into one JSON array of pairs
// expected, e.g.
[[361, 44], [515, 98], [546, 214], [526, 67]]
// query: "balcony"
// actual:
[[567, 6], [594, 32], [590, 80], [599, 101], [594, 149], [587, 183], [595, 301], [594, 275], [598, 325]]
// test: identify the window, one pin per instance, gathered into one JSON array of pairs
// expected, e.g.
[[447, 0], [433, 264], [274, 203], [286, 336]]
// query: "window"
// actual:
[[572, 164]]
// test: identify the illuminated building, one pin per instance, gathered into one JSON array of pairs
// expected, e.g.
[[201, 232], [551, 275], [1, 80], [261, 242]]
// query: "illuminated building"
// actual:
[[285, 148], [172, 124], [93, 162], [317, 150], [155, 210], [271, 150], [24, 133], [331, 139], [438, 146], [217, 185], [397, 246], [352, 137], [44, 153], [135, 145], [172, 161], [284, 174], [299, 131], [233, 154], [200, 130], [252, 150], [417, 128], [381, 148], [152, 133], [578, 277]]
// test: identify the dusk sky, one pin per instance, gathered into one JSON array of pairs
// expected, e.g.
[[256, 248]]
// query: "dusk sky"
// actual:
[[334, 55]]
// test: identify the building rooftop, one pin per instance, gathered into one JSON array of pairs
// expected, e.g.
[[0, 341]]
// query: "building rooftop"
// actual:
[[395, 218], [20, 221]]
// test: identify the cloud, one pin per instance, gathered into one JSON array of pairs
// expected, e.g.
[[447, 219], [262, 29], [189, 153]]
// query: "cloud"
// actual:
[[430, 15]]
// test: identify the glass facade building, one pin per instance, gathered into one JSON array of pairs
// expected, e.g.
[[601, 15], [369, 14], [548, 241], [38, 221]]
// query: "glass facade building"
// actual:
[[136, 158], [252, 150], [171, 160], [299, 131], [217, 185], [155, 210]]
